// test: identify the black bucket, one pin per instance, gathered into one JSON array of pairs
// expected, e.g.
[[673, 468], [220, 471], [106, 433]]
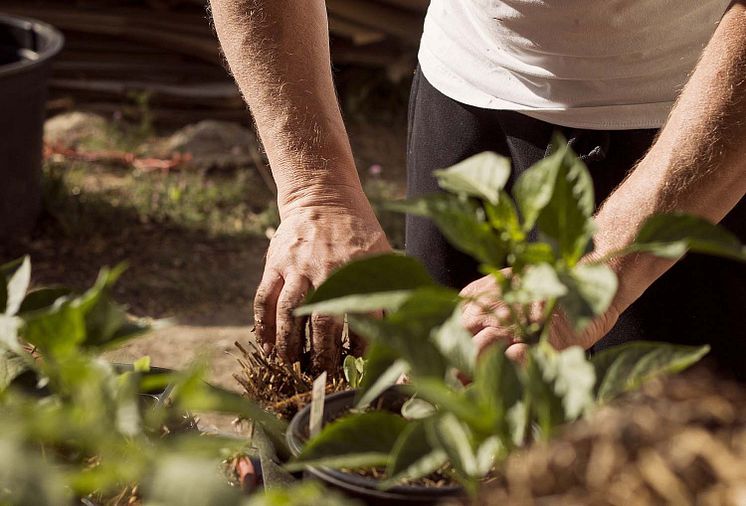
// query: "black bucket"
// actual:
[[26, 49], [359, 487]]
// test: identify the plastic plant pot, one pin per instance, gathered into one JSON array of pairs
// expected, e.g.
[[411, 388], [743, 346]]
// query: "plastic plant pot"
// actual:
[[26, 50], [179, 422], [353, 485]]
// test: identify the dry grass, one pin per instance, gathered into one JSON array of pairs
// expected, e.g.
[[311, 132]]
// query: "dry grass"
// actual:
[[278, 387], [680, 441]]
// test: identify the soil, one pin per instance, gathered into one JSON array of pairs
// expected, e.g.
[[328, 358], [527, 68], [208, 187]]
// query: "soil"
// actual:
[[438, 479]]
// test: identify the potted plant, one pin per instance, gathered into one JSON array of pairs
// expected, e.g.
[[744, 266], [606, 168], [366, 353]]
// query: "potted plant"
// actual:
[[75, 428], [462, 429]]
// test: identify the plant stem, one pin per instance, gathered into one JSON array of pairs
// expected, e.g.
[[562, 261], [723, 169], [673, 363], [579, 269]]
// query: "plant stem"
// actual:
[[547, 319]]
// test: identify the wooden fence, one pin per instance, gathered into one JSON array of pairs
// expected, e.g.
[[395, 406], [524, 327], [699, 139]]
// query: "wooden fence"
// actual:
[[120, 50]]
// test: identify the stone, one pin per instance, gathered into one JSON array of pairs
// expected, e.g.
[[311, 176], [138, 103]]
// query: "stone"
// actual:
[[213, 144], [73, 129]]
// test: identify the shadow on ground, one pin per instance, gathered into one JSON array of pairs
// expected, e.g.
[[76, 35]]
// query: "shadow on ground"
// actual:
[[197, 277]]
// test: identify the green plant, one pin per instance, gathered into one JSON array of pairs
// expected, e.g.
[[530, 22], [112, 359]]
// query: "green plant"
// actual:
[[469, 428], [73, 426], [354, 370]]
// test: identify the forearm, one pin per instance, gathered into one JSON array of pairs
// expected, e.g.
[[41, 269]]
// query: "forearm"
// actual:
[[278, 52], [697, 165]]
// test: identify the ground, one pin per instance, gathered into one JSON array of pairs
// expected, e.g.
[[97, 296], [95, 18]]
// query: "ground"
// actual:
[[194, 237]]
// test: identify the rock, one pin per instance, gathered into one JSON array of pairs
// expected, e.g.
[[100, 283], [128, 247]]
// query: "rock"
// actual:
[[73, 129], [213, 144]]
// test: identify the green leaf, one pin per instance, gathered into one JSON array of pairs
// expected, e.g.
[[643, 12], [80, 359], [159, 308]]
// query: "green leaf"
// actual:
[[28, 477], [189, 481], [625, 367], [9, 327], [190, 393], [417, 409], [6, 271], [372, 434], [11, 366], [273, 475], [363, 303], [482, 176], [539, 283], [352, 376], [42, 298], [382, 273], [455, 343], [574, 378], [302, 493], [462, 222], [497, 387], [446, 399], [455, 439], [517, 421], [567, 216], [57, 330], [382, 369], [413, 456], [407, 340], [556, 194], [532, 254], [349, 460], [407, 331], [487, 454], [590, 291], [503, 217], [142, 364], [569, 375], [105, 321], [534, 188], [17, 286], [671, 235]]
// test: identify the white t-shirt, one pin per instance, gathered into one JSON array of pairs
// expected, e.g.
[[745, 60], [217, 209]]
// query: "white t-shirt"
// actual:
[[603, 64]]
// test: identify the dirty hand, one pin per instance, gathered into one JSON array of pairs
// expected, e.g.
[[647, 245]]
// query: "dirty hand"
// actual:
[[310, 243], [488, 318]]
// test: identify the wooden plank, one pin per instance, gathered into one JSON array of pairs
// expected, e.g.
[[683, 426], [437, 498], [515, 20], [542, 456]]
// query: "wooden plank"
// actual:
[[412, 5], [200, 91], [360, 35], [404, 25], [127, 27]]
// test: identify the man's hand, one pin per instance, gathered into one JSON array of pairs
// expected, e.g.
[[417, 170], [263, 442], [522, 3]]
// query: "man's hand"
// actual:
[[309, 244], [489, 319], [278, 52]]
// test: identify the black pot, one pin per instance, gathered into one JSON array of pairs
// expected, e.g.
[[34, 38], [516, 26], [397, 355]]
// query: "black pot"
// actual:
[[26, 49], [353, 485], [28, 382], [177, 422]]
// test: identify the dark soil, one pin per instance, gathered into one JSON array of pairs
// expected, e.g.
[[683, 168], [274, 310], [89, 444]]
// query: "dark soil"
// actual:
[[438, 479]]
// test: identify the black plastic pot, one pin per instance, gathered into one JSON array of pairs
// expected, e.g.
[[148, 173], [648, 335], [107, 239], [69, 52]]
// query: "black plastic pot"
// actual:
[[179, 422], [26, 49], [353, 485]]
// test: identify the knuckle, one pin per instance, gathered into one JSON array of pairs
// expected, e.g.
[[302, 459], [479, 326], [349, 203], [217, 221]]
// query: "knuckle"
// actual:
[[261, 295], [320, 320], [285, 308]]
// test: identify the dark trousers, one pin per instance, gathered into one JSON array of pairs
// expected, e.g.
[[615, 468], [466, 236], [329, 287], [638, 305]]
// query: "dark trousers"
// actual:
[[701, 299]]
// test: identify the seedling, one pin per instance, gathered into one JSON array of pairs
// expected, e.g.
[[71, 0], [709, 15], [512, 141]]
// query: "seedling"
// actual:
[[470, 427]]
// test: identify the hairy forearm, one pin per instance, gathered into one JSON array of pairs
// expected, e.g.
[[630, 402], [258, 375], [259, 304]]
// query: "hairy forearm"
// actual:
[[698, 163], [278, 52]]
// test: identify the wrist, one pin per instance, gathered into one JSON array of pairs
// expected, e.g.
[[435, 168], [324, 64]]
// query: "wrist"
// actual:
[[635, 272], [325, 197]]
